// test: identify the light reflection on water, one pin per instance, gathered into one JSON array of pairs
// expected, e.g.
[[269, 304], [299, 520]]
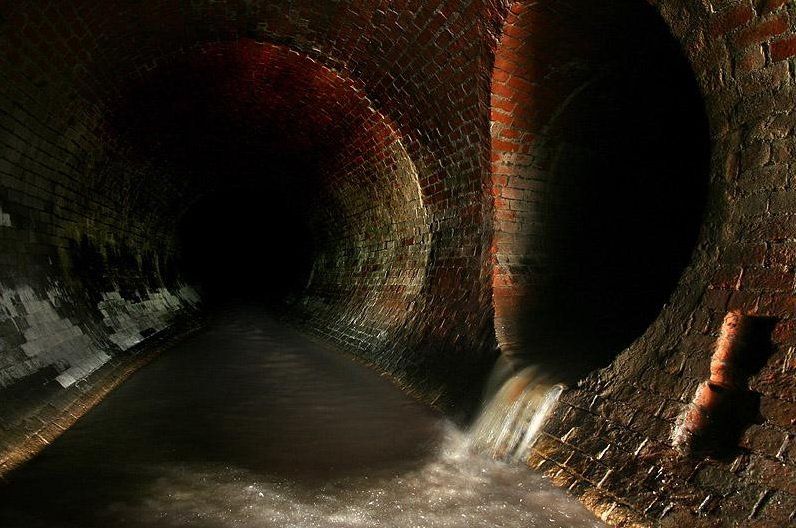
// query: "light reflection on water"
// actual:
[[251, 424]]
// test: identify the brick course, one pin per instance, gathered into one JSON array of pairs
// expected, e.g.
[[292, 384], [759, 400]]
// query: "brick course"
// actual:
[[629, 410], [436, 133]]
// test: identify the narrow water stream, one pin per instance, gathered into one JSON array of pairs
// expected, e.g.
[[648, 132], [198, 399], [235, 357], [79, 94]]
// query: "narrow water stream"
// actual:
[[251, 424]]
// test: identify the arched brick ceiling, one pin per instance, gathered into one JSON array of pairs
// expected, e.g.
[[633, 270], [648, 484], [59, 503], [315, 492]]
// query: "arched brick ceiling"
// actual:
[[114, 116], [372, 114]]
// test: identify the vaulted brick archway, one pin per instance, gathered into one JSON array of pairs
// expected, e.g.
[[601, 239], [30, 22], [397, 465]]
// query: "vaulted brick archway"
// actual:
[[477, 178]]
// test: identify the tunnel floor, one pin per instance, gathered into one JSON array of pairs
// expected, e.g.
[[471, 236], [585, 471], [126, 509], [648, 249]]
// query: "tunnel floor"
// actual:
[[251, 423]]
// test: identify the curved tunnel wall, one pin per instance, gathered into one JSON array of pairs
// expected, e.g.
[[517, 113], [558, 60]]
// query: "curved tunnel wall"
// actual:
[[117, 118], [89, 204], [267, 120], [600, 152], [613, 432]]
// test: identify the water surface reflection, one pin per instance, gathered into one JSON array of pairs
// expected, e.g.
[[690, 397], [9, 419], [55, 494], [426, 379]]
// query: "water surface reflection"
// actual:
[[250, 423]]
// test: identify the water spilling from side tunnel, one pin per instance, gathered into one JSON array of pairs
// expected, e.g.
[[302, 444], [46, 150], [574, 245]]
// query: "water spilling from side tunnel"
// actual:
[[511, 419]]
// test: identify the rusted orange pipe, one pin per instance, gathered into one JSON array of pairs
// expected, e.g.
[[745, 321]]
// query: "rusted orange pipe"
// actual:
[[733, 339], [727, 379]]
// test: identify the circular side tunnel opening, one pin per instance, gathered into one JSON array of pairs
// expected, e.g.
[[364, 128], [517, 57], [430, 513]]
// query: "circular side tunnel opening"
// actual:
[[631, 180], [600, 161]]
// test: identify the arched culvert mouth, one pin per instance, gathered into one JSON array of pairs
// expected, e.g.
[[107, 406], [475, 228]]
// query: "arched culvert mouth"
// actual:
[[288, 181], [247, 243], [155, 105], [600, 152]]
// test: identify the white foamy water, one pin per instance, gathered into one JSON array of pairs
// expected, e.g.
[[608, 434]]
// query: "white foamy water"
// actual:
[[455, 488], [510, 421]]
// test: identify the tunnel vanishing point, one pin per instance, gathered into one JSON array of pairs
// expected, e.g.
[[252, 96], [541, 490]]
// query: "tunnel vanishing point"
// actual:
[[606, 190]]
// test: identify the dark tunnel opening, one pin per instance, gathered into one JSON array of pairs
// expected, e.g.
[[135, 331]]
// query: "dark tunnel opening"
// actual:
[[605, 200], [633, 177], [244, 244], [277, 160], [410, 192]]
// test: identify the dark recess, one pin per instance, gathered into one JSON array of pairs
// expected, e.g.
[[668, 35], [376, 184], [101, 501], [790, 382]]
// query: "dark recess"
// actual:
[[246, 244], [629, 157]]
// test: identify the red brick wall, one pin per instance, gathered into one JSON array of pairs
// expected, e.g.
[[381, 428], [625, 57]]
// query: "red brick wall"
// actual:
[[611, 440], [117, 117], [599, 175], [406, 206]]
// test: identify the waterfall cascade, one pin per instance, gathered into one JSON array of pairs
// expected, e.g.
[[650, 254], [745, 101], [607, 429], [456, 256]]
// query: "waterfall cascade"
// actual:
[[510, 421]]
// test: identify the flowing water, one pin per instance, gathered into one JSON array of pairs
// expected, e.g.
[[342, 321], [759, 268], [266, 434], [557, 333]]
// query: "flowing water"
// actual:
[[251, 424], [511, 419]]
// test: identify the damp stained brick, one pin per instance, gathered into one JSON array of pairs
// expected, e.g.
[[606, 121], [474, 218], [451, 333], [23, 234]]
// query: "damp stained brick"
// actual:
[[434, 234]]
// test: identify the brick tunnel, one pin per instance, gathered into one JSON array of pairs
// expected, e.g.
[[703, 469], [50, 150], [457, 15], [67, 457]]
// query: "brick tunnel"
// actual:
[[603, 192]]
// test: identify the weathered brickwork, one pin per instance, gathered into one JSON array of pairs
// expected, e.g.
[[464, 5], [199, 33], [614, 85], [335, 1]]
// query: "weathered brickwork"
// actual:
[[84, 275], [611, 439], [438, 149], [593, 212], [381, 109]]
